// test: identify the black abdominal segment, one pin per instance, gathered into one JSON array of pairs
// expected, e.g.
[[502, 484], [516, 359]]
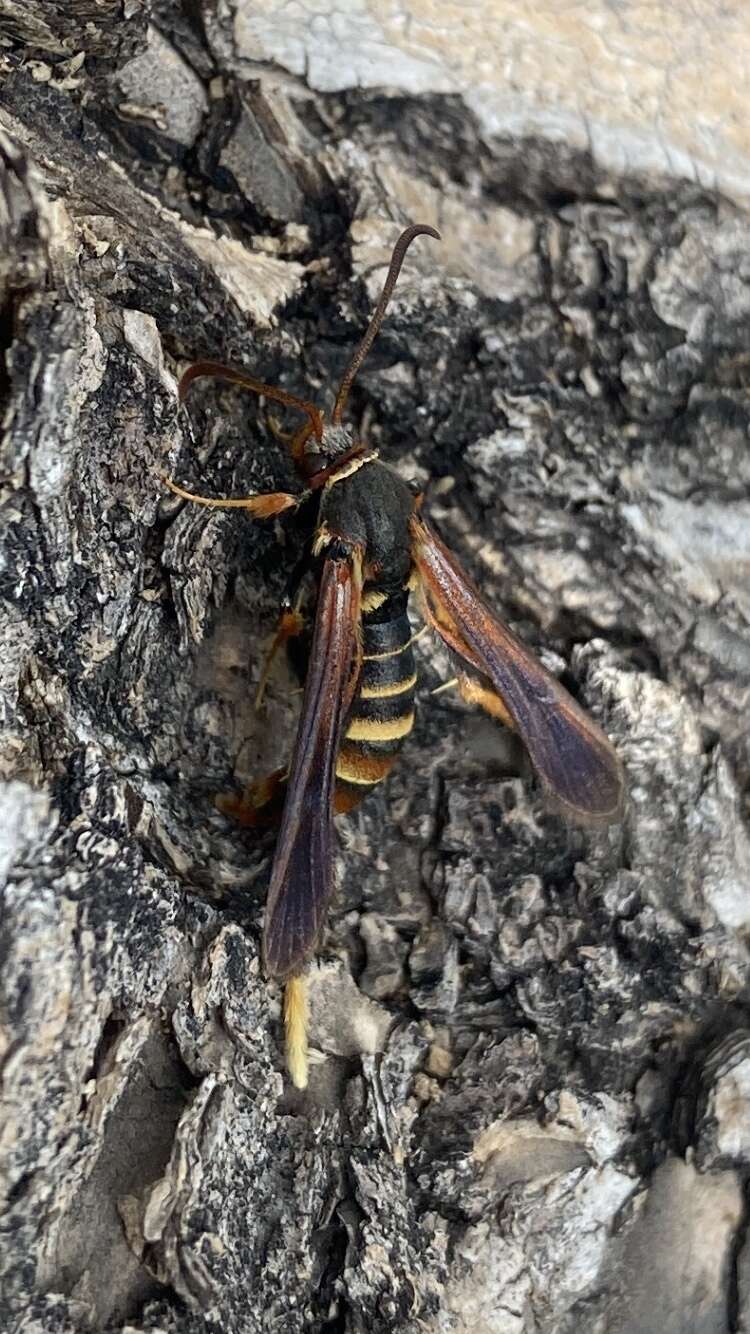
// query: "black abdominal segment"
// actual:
[[382, 714]]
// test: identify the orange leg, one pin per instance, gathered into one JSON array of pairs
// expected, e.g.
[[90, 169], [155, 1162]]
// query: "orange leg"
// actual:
[[475, 692], [291, 624], [261, 804]]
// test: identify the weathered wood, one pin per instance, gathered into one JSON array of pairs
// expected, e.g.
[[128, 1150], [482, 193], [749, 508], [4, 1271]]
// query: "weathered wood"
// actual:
[[512, 1126]]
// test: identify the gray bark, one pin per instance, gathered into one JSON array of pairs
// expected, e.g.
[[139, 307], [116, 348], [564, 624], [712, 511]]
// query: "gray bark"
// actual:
[[529, 1104]]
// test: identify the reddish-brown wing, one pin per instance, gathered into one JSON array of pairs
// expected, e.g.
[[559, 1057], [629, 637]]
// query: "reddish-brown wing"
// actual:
[[573, 758], [302, 874]]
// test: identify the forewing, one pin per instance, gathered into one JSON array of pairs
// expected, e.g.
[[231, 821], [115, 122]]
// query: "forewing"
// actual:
[[573, 758], [302, 874]]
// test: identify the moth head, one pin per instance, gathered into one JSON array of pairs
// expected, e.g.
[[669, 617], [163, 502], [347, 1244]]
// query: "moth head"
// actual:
[[318, 455]]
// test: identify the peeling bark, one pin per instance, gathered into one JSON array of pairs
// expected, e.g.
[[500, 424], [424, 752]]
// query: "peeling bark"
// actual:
[[529, 1101]]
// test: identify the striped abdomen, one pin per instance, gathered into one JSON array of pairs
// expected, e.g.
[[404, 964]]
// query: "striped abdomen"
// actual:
[[382, 714]]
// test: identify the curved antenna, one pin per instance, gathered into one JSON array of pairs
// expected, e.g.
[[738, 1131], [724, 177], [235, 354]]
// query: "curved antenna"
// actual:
[[371, 333], [216, 370]]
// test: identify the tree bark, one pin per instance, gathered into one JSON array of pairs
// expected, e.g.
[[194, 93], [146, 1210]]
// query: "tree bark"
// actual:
[[529, 1108]]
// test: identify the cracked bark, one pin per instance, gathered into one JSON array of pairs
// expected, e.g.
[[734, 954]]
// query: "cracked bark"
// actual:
[[531, 1100]]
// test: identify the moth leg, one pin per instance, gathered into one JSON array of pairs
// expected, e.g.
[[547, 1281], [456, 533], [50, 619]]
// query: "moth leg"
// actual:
[[296, 1025], [291, 624], [260, 506], [260, 805], [475, 691], [445, 685]]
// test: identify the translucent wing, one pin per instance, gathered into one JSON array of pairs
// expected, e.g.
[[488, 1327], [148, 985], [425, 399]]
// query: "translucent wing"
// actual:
[[302, 874], [574, 760]]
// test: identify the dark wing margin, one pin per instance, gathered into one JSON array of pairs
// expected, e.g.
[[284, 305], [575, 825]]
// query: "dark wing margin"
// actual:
[[575, 762], [302, 874]]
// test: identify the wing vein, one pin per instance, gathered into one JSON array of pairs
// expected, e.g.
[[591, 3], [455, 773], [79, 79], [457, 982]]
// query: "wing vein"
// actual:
[[573, 758], [302, 873]]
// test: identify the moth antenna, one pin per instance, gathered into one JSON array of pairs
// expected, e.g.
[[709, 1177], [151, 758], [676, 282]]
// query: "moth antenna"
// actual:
[[373, 328], [216, 370]]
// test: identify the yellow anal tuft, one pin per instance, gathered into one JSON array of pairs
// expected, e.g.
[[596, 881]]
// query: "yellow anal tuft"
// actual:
[[296, 1022]]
